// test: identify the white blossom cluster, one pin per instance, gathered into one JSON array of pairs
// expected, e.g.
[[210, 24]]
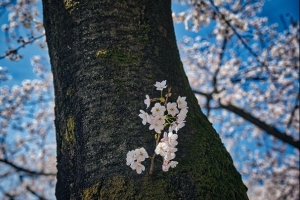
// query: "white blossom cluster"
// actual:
[[22, 14], [204, 13], [248, 63], [27, 137], [267, 91], [175, 117], [275, 186], [167, 148], [134, 159], [4, 74], [163, 114]]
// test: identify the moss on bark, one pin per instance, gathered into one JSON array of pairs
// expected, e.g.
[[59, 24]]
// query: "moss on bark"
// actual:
[[70, 5], [105, 57], [119, 57]]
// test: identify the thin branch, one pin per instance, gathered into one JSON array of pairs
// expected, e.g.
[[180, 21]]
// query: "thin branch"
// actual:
[[256, 78], [6, 193], [221, 56], [28, 171], [153, 157], [15, 51], [238, 35], [271, 130], [294, 110], [34, 193]]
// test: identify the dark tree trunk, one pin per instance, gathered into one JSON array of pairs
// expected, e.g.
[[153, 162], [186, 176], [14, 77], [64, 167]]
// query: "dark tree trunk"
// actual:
[[105, 57]]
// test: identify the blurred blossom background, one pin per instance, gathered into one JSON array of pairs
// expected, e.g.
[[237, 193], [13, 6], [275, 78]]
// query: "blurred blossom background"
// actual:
[[240, 56]]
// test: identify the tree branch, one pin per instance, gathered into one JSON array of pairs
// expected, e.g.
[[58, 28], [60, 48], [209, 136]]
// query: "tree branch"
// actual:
[[263, 64], [235, 32], [34, 193], [6, 194], [271, 130], [14, 51], [28, 171], [294, 110]]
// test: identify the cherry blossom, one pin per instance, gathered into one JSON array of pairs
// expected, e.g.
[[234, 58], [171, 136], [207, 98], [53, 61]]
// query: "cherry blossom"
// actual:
[[159, 119], [236, 78], [166, 149], [167, 164], [138, 167], [144, 116], [147, 101], [158, 110], [172, 109], [134, 159], [160, 85], [277, 59], [156, 125], [172, 139], [131, 157], [161, 149], [141, 154], [181, 101]]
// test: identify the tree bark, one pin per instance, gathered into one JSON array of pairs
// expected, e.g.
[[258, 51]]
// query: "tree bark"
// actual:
[[105, 57]]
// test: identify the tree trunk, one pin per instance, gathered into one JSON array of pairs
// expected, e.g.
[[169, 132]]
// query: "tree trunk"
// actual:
[[105, 57]]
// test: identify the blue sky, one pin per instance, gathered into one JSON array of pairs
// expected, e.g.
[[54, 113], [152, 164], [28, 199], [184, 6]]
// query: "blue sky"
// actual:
[[272, 9], [22, 69]]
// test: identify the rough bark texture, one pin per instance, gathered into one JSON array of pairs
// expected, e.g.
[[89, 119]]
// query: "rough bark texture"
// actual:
[[105, 56]]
